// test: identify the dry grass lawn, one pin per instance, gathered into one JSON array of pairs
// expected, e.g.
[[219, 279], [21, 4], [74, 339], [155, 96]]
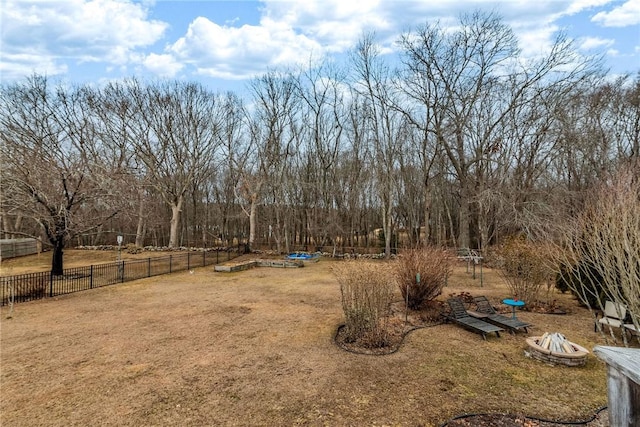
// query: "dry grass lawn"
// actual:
[[256, 348]]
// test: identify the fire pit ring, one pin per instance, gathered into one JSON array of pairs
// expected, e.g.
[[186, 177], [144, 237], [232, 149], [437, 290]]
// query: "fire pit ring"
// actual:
[[577, 356]]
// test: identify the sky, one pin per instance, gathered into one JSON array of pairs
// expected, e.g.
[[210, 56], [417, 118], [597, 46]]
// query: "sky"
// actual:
[[224, 44]]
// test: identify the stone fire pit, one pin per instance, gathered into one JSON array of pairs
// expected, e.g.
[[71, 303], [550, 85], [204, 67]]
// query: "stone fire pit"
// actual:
[[556, 349]]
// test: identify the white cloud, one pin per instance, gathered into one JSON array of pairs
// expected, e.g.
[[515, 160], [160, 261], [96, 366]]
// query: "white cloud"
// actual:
[[621, 16], [75, 30], [288, 33], [336, 24], [590, 43], [293, 31], [577, 6], [23, 64], [241, 52], [162, 65]]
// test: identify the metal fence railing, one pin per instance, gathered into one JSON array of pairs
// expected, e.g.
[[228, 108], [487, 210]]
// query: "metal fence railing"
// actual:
[[32, 286]]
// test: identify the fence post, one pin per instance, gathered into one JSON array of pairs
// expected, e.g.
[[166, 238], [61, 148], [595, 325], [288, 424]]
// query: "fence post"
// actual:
[[122, 272], [50, 284], [204, 258], [188, 260], [91, 277], [149, 267], [169, 263]]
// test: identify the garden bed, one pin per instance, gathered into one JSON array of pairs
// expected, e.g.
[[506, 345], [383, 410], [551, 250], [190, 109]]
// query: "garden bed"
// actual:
[[246, 265], [238, 266]]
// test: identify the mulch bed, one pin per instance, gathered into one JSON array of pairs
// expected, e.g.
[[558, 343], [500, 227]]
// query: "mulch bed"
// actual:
[[401, 322]]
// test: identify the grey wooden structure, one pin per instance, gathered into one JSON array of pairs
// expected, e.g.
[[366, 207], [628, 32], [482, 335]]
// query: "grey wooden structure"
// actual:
[[460, 317], [623, 384], [486, 312], [11, 248]]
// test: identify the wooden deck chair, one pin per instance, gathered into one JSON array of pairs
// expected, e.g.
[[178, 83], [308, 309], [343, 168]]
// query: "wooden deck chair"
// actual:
[[631, 330], [460, 317], [613, 315], [486, 312]]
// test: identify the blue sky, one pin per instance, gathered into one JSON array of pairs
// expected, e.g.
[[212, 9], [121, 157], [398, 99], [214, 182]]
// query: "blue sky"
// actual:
[[225, 43]]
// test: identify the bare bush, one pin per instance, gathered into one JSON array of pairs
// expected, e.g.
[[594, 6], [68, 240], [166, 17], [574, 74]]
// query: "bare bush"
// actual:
[[603, 245], [524, 266], [367, 292], [433, 265]]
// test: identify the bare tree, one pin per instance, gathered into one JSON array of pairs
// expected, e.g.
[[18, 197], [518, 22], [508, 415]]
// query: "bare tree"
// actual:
[[385, 126], [355, 174], [322, 94], [49, 173], [471, 80], [115, 117], [225, 184], [264, 164], [175, 135]]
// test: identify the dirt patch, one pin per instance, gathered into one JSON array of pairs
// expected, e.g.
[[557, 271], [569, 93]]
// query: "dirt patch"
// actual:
[[257, 348]]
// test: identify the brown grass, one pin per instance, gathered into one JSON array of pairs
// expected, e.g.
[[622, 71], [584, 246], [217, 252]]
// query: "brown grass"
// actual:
[[256, 348], [72, 258]]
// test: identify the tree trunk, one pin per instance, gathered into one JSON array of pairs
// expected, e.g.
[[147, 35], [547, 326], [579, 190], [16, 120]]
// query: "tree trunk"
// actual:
[[277, 233], [464, 240], [6, 226], [287, 246], [176, 208], [95, 241], [17, 225], [57, 266], [140, 229], [252, 220], [386, 217], [450, 219], [483, 227], [427, 215]]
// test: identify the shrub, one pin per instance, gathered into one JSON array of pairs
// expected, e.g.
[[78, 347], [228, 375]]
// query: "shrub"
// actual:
[[434, 266], [524, 266], [583, 281], [367, 292]]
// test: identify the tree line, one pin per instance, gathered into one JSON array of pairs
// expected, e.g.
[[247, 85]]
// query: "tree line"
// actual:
[[460, 142]]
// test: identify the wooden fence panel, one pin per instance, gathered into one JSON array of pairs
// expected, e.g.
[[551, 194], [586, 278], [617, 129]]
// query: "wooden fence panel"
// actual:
[[11, 248]]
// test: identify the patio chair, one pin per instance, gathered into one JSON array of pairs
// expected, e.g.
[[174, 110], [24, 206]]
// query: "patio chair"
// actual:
[[631, 330], [613, 315], [460, 317], [486, 312]]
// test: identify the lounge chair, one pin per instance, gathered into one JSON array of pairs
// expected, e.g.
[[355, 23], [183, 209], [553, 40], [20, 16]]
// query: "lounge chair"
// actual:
[[613, 316], [486, 312], [460, 317], [632, 330]]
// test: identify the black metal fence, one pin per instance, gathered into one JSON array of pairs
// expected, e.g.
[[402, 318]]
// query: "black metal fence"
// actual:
[[32, 286]]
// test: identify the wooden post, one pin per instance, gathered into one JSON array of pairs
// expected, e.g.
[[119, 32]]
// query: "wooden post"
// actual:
[[623, 384]]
